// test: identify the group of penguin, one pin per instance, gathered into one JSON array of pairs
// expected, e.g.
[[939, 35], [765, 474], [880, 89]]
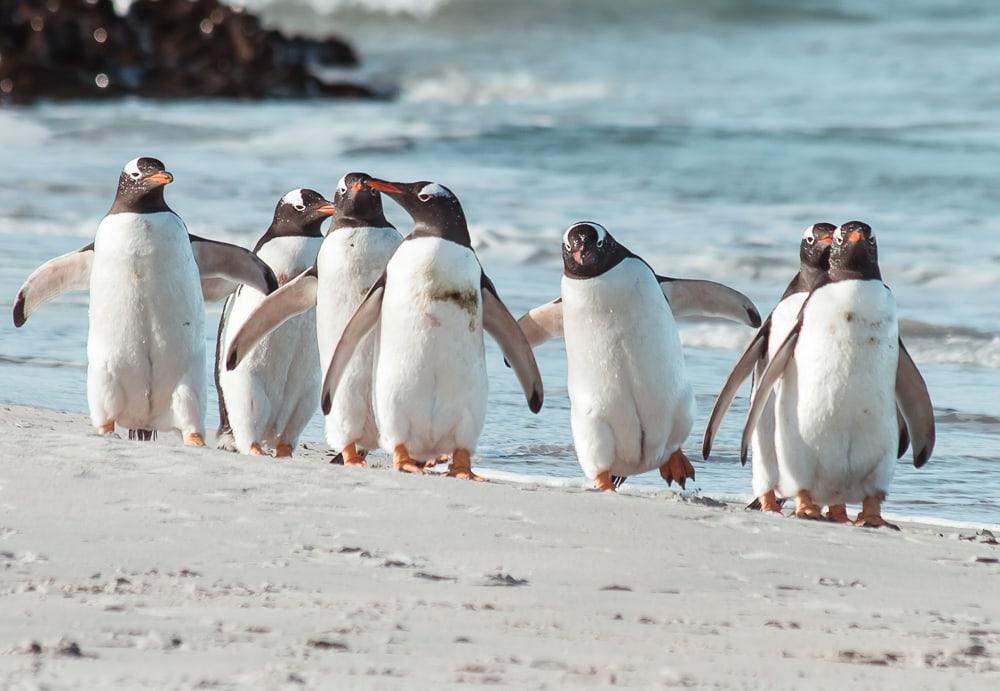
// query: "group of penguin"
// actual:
[[395, 327]]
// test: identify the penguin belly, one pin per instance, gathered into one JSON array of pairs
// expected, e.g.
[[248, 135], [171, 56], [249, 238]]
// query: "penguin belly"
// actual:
[[274, 392], [631, 406], [146, 344], [764, 461], [350, 261], [835, 410], [430, 376]]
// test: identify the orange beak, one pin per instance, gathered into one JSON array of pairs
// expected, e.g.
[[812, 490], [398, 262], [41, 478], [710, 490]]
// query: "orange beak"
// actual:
[[161, 178], [327, 209], [855, 236], [383, 186], [825, 240]]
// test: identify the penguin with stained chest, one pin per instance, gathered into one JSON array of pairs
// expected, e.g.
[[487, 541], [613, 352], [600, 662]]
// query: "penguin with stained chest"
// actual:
[[431, 307], [631, 404], [838, 379], [146, 275], [269, 398], [353, 255]]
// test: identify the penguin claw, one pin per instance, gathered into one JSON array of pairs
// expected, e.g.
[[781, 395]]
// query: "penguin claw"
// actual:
[[677, 469], [874, 522], [604, 483]]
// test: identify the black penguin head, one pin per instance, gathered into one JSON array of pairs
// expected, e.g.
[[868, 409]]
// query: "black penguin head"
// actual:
[[357, 203], [854, 252], [814, 251], [589, 250], [434, 208], [140, 187], [301, 212]]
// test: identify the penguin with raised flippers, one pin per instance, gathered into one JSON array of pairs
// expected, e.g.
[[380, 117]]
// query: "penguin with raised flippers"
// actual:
[[838, 379], [270, 397], [631, 404], [431, 307], [146, 344], [354, 254]]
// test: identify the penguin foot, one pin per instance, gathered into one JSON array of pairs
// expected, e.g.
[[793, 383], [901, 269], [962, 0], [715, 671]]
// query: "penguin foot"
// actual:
[[352, 457], [604, 482], [837, 513], [769, 502], [677, 468], [402, 462], [805, 507], [283, 450], [256, 450], [106, 428], [461, 466], [871, 515], [193, 439]]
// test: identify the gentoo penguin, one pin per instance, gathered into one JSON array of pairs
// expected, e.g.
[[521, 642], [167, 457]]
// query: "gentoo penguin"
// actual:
[[431, 306], [353, 256], [842, 372], [631, 404], [270, 397], [146, 343], [814, 260]]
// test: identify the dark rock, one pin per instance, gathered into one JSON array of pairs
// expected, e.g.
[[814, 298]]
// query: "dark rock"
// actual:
[[83, 49]]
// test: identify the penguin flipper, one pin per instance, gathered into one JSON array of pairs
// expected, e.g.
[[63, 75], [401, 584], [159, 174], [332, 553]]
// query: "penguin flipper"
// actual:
[[365, 318], [543, 322], [291, 299], [499, 323], [744, 367], [215, 289], [904, 434], [70, 271], [914, 402], [222, 260], [775, 368], [695, 298]]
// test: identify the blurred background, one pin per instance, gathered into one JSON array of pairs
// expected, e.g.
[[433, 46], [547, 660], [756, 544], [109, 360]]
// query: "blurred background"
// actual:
[[705, 134]]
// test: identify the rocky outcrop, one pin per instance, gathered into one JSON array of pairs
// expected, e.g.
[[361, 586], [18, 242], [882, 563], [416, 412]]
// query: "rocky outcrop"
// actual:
[[59, 49]]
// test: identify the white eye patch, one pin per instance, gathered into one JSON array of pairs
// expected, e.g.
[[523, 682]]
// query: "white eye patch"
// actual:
[[294, 198], [132, 168], [432, 190], [838, 235]]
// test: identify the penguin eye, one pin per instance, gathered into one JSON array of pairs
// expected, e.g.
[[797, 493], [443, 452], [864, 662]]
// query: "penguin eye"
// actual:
[[600, 243], [300, 207], [839, 239], [342, 187], [871, 239], [136, 175], [424, 197], [810, 240]]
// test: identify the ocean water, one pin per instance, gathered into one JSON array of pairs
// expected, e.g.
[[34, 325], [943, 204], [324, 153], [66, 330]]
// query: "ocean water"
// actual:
[[704, 135]]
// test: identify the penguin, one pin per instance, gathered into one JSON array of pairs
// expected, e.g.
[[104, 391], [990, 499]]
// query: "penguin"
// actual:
[[814, 260], [146, 276], [353, 255], [838, 379], [431, 306], [271, 396], [631, 406]]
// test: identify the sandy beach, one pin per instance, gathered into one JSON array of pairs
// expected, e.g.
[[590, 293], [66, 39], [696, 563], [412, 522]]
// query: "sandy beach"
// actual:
[[131, 565]]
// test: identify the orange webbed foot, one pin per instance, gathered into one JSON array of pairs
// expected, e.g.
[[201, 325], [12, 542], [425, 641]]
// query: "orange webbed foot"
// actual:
[[769, 502], [461, 466], [805, 507], [871, 515], [402, 462], [283, 450], [193, 439], [837, 513], [352, 457], [677, 469], [604, 482]]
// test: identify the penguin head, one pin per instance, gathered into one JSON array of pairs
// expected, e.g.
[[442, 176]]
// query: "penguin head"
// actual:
[[854, 250], [589, 250], [814, 250], [301, 212], [140, 186], [434, 208], [357, 201]]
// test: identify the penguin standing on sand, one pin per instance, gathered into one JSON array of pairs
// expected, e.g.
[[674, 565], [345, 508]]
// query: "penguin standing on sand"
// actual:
[[270, 397], [352, 257], [631, 404], [146, 343], [843, 371], [814, 260], [431, 306]]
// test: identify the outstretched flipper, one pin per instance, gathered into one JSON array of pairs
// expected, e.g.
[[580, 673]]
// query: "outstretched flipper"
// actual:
[[365, 318], [292, 299], [543, 322], [222, 260], [744, 367], [70, 271], [775, 368], [694, 298], [499, 323], [914, 403]]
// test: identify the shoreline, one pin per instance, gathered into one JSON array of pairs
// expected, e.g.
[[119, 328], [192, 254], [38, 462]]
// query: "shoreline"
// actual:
[[150, 564]]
